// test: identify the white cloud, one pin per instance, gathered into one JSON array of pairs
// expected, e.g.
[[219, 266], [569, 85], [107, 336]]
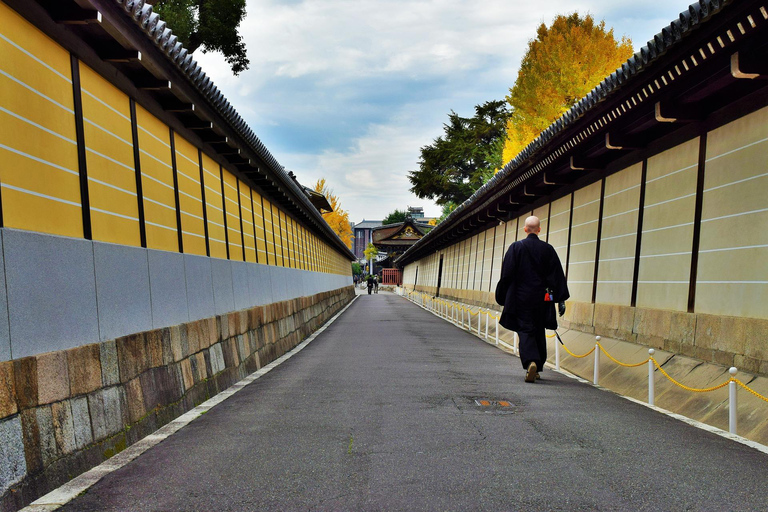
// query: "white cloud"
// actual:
[[350, 90]]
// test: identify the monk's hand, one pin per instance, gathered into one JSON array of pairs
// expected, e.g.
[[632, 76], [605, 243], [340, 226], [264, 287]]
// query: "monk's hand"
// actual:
[[561, 308]]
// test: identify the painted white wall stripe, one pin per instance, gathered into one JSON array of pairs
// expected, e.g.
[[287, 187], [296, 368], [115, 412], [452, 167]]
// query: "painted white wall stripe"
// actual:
[[36, 159], [113, 214], [29, 87], [104, 103], [737, 149], [39, 126], [671, 173], [38, 194], [35, 58]]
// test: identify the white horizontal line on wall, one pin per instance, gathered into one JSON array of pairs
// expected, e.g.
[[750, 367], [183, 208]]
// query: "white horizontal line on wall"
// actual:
[[584, 223], [668, 227], [671, 173], [685, 253], [192, 234], [752, 212], [670, 200], [160, 226], [197, 199], [113, 214], [30, 88], [586, 204], [737, 149], [183, 212], [38, 194], [126, 142], [763, 246], [158, 139], [36, 159], [109, 185], [624, 258], [620, 214], [618, 236], [39, 126], [736, 182], [159, 182], [104, 103], [110, 159], [35, 58], [732, 282], [622, 191], [153, 157], [172, 208]]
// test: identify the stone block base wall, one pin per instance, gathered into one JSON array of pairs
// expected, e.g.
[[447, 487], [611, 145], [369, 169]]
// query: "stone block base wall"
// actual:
[[62, 413], [724, 340]]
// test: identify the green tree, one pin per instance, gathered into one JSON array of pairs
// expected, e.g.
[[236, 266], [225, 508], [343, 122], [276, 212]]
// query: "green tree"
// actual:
[[564, 62], [356, 270], [210, 25], [464, 158], [394, 217]]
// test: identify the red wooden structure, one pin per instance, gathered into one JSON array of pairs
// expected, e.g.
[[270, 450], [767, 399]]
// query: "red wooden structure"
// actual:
[[392, 276]]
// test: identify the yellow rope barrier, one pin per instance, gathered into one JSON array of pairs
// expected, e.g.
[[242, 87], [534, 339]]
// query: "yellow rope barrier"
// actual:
[[619, 362], [758, 395], [687, 388], [578, 357]]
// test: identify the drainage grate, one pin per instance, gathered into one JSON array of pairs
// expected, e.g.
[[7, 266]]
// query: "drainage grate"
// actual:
[[480, 402]]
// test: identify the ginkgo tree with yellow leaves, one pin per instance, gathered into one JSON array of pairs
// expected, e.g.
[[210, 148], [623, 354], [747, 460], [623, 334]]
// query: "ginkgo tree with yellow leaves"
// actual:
[[565, 61], [338, 219]]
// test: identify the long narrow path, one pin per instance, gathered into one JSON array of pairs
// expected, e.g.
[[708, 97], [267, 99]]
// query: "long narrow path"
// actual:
[[385, 410]]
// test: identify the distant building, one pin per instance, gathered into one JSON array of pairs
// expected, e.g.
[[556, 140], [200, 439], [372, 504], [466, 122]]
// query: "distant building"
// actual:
[[363, 236], [417, 212]]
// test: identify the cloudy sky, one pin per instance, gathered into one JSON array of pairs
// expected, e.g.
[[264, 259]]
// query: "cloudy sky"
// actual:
[[350, 90]]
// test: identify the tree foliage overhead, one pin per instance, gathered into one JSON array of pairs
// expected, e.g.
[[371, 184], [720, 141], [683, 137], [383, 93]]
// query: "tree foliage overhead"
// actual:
[[338, 219], [211, 25], [564, 62], [394, 217], [464, 158]]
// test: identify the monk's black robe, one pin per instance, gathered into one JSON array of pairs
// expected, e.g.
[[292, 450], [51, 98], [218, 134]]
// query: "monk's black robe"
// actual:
[[530, 267]]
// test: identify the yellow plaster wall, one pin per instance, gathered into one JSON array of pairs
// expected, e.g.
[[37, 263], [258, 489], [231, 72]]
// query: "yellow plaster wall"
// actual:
[[581, 264], [157, 182], [190, 197], [665, 256], [732, 277], [618, 239], [39, 172], [232, 210]]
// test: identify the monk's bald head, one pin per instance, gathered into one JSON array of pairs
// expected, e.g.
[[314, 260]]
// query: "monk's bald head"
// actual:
[[532, 225]]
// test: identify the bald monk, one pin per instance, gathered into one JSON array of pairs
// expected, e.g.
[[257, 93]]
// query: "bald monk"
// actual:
[[530, 268]]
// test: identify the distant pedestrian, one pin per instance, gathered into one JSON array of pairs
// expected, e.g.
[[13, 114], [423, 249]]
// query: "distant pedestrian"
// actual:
[[532, 280], [376, 284], [370, 284]]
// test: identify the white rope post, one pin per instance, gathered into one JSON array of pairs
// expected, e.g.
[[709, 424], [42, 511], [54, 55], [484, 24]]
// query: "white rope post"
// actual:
[[462, 317], [651, 382], [497, 330], [487, 319], [732, 403], [596, 375], [557, 354]]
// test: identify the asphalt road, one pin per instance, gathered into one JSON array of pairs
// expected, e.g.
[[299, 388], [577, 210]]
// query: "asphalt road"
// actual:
[[379, 412]]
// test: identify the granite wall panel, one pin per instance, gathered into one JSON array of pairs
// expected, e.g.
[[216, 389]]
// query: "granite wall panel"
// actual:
[[122, 290]]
